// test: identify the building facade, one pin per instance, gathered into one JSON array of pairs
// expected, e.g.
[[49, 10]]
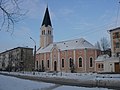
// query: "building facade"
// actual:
[[17, 59], [110, 64], [76, 55], [115, 41]]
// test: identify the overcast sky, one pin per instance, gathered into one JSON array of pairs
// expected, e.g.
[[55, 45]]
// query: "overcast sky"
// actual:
[[71, 19]]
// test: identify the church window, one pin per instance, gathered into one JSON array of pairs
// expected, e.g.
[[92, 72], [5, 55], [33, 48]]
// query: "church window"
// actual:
[[62, 62], [80, 62], [98, 65], [42, 64], [70, 62], [37, 64], [102, 66], [91, 62]]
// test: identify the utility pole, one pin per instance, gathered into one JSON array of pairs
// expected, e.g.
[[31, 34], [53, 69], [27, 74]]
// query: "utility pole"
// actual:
[[34, 52]]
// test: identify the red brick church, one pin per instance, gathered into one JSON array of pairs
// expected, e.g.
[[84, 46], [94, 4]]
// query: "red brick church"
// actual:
[[76, 55]]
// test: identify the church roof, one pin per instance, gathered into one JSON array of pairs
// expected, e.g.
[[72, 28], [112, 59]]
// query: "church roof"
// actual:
[[46, 20], [68, 45]]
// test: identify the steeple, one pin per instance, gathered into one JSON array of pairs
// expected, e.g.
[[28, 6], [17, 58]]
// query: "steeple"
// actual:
[[46, 20], [46, 32]]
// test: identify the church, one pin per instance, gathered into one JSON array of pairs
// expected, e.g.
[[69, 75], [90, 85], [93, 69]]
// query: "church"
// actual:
[[76, 55]]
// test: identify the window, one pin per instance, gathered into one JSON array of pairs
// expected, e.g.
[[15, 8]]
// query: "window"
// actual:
[[48, 32], [117, 44], [98, 65], [62, 62], [70, 62], [91, 62], [117, 34], [44, 32], [37, 64], [102, 66], [42, 64], [80, 62], [48, 63]]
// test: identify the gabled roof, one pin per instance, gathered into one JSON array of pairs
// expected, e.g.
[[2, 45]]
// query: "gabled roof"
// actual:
[[46, 20], [68, 45]]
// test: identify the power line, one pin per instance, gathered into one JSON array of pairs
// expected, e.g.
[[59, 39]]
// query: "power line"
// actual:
[[118, 13], [93, 30]]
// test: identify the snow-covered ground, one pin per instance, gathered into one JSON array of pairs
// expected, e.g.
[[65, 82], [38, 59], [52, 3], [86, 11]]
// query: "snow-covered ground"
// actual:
[[13, 83], [78, 76]]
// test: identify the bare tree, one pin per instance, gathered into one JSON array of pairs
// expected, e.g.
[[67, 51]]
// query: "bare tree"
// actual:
[[97, 45], [10, 13], [104, 43]]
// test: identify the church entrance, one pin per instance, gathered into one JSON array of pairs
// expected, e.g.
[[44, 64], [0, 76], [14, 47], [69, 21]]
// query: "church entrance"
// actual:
[[55, 66]]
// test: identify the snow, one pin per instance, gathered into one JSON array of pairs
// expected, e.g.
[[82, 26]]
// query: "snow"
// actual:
[[79, 88], [76, 76], [68, 45], [12, 83], [102, 57], [107, 58]]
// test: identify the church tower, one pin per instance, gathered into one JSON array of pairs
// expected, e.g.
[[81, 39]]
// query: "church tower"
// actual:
[[46, 33]]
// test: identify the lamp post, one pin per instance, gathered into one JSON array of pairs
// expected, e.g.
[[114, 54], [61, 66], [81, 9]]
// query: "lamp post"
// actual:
[[34, 51]]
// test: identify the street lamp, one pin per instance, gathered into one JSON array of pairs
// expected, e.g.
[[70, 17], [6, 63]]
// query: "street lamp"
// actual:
[[34, 51]]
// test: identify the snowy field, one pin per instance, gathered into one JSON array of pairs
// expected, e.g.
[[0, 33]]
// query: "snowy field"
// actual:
[[76, 76], [12, 83]]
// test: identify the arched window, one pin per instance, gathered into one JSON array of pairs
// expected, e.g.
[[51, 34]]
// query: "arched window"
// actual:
[[80, 62], [48, 32], [98, 65], [91, 62], [62, 62], [102, 66], [37, 64], [42, 64], [70, 62]]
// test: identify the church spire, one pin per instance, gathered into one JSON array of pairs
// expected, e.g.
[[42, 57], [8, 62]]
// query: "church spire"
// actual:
[[46, 20]]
